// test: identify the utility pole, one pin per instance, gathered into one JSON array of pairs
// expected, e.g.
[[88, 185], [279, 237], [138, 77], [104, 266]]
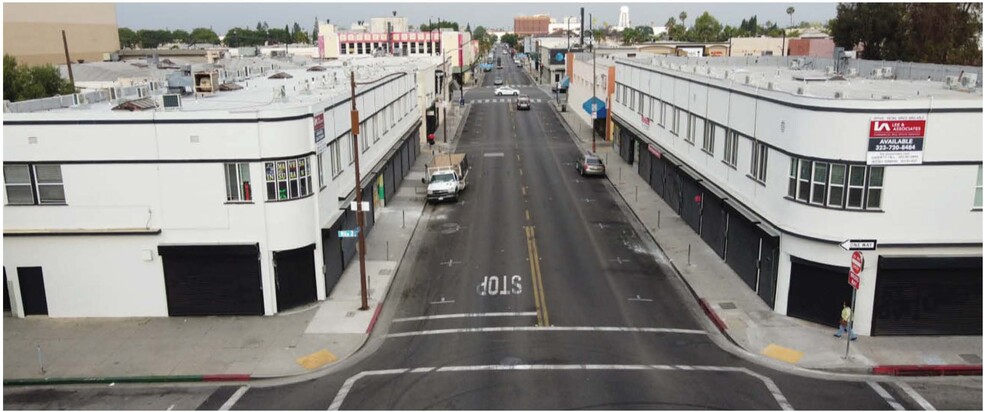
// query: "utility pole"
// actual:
[[68, 61], [445, 86], [594, 83], [358, 200]]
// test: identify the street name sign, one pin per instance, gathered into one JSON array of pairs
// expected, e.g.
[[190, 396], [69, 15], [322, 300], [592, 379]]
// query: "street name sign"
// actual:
[[348, 233], [355, 206], [859, 244]]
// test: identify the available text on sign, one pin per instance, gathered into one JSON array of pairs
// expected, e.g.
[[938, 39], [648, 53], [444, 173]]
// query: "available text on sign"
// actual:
[[896, 139]]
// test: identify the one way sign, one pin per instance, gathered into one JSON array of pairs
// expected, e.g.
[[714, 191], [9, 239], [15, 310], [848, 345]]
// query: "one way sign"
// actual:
[[859, 244]]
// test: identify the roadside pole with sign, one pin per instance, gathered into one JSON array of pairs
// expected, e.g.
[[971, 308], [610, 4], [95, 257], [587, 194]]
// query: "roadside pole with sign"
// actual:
[[853, 279]]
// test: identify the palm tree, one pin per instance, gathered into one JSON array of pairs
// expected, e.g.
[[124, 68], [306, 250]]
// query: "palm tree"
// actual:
[[683, 19], [790, 10]]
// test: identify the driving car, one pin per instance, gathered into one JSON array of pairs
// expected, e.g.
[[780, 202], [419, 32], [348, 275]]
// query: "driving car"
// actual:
[[498, 81], [506, 91], [589, 164], [523, 103]]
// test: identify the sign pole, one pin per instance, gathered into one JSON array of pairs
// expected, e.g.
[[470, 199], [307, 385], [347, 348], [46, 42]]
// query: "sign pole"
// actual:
[[850, 323]]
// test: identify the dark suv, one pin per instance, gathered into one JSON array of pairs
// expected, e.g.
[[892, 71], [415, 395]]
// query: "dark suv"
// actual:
[[523, 103]]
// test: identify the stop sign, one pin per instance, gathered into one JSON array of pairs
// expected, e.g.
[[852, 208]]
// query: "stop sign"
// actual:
[[857, 263]]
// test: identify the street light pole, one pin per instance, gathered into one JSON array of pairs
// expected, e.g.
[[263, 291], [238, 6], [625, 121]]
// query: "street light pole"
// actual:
[[358, 200], [594, 82]]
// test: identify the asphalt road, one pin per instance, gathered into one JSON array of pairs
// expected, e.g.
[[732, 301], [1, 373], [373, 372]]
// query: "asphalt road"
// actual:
[[536, 291]]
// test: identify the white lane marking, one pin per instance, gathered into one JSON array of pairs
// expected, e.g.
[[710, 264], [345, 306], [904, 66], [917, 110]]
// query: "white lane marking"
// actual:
[[438, 302], [347, 386], [465, 315], [544, 329], [170, 407], [915, 396], [640, 299], [234, 398], [885, 395], [494, 154]]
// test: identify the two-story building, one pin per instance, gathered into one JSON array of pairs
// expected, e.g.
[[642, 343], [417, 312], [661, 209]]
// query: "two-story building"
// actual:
[[776, 168], [228, 201]]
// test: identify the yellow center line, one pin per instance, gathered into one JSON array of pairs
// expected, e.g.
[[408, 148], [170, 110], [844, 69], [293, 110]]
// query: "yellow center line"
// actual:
[[536, 293], [527, 215], [539, 280], [520, 172]]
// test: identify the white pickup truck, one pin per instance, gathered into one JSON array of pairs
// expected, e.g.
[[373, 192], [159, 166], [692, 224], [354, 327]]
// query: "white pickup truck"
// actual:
[[447, 176]]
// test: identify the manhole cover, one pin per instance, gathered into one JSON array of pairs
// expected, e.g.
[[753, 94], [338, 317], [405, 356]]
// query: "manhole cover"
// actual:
[[971, 358], [727, 305]]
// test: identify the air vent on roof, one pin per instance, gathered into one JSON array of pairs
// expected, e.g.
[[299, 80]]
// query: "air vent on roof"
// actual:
[[171, 101], [205, 82], [852, 72], [748, 79], [952, 82], [78, 98], [771, 86], [280, 75], [800, 90], [839, 95], [317, 69], [968, 80]]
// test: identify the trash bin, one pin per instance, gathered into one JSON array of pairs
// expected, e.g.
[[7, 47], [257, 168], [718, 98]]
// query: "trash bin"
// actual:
[[563, 107]]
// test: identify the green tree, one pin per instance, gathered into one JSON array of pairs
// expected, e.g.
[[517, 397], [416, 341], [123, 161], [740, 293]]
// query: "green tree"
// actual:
[[930, 40], [314, 33], [511, 39], [683, 19], [128, 38], [706, 29], [180, 36], [25, 83], [446, 25], [202, 35], [150, 39], [879, 26]]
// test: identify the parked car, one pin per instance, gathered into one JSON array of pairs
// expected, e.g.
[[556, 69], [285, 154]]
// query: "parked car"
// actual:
[[506, 91], [589, 164], [523, 103]]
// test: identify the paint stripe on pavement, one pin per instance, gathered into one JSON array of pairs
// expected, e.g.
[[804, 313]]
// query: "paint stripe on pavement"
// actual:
[[234, 398], [915, 396], [545, 329], [336, 403], [465, 315], [885, 395]]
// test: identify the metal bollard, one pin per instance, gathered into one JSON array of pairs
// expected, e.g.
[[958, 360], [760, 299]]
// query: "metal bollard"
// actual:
[[688, 255], [659, 216], [41, 360], [620, 175], [404, 219], [637, 193], [387, 250]]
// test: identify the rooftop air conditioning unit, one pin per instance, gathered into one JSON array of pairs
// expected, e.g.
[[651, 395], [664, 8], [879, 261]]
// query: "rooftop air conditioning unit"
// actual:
[[796, 64], [829, 70], [852, 72], [800, 90], [952, 82], [771, 86], [968, 80], [877, 73], [839, 95], [887, 72], [206, 82], [171, 101], [78, 99]]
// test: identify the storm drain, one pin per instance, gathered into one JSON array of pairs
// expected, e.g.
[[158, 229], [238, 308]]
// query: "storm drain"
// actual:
[[728, 305]]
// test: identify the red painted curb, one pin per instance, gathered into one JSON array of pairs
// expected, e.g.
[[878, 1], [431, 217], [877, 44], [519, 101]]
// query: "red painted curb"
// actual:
[[229, 377], [711, 314], [926, 370], [375, 315]]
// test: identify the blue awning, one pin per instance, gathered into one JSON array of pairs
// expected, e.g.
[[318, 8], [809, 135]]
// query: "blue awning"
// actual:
[[599, 106], [565, 82]]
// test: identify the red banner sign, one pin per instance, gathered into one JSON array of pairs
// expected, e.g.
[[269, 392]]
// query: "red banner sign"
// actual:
[[897, 128]]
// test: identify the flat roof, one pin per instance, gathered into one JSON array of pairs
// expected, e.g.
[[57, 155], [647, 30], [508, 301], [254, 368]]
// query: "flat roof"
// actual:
[[258, 93], [810, 82]]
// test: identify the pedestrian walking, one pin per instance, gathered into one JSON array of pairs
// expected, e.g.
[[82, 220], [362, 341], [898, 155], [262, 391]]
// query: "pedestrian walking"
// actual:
[[845, 321]]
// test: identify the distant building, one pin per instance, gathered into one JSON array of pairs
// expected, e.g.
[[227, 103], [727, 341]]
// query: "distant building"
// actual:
[[811, 47], [32, 32], [379, 24], [531, 25], [567, 23], [623, 18], [756, 46]]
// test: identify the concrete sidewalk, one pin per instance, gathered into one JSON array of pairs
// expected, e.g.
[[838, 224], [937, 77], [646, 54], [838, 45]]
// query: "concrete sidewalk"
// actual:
[[226, 348], [743, 316]]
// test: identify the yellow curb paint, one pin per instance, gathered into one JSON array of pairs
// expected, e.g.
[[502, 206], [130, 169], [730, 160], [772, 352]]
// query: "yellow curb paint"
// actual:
[[317, 359], [784, 354]]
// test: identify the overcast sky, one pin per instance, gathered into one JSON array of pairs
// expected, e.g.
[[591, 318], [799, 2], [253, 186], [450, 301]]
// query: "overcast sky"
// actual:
[[223, 16]]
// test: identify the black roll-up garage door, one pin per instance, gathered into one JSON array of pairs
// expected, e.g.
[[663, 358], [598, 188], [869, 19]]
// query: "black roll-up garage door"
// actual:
[[817, 291], [6, 294], [689, 202], [714, 222], [331, 251], [768, 269], [212, 280], [671, 188], [294, 276], [389, 181], [645, 162], [743, 247], [657, 171], [928, 296], [626, 145], [370, 215]]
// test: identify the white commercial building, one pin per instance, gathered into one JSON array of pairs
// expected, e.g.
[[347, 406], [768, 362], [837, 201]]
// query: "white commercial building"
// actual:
[[225, 202], [776, 166]]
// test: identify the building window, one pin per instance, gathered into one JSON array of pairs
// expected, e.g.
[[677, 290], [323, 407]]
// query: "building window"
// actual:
[[34, 184], [238, 187], [335, 157], [791, 190], [663, 109], [760, 160], [691, 128], [806, 167], [855, 187], [731, 148], [632, 98], [363, 139], [820, 170], [977, 190], [838, 175], [287, 179], [618, 94], [675, 126], [642, 104], [709, 137], [876, 176]]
